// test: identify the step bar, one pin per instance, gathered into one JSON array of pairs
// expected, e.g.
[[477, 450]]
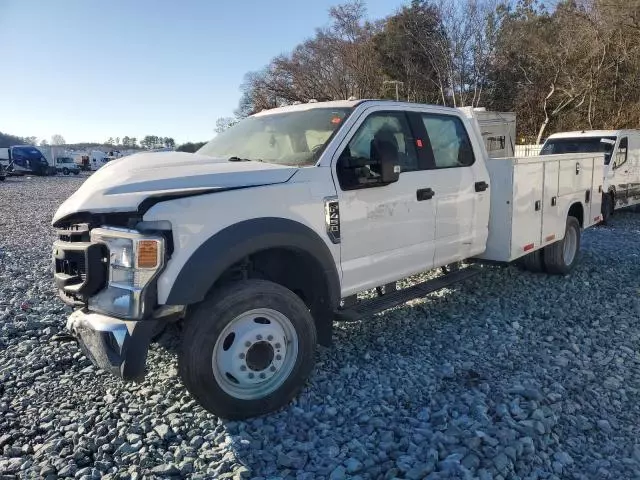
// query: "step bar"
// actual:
[[363, 309]]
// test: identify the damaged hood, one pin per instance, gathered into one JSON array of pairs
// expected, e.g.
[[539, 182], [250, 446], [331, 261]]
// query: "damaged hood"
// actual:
[[123, 184]]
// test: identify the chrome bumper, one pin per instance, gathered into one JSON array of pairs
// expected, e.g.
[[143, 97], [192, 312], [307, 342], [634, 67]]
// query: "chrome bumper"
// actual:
[[117, 346]]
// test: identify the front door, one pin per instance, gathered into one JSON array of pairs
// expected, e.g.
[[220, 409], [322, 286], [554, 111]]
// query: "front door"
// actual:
[[387, 231], [620, 172]]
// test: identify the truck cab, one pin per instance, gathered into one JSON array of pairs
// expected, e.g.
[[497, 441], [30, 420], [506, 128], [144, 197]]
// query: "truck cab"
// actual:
[[621, 148], [265, 236], [66, 165], [25, 159]]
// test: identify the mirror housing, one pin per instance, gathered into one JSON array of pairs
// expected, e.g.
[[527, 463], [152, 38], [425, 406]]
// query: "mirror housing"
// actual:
[[389, 171]]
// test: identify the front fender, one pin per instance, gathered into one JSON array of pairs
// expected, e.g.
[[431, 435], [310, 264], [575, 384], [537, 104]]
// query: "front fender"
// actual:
[[230, 245]]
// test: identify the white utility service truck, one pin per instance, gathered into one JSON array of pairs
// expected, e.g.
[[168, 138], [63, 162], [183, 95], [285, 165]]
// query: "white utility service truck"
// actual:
[[263, 238], [621, 149]]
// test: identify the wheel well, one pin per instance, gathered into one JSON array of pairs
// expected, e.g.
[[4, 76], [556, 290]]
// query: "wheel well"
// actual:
[[577, 211], [297, 270]]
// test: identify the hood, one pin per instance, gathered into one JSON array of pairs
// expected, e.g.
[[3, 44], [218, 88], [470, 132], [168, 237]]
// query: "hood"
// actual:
[[123, 184]]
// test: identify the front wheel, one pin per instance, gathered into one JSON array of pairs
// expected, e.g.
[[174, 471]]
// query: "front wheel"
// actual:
[[248, 349], [65, 170], [76, 172], [561, 256]]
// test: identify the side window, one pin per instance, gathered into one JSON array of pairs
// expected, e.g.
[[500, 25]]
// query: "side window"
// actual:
[[449, 141], [621, 154], [383, 134], [495, 143]]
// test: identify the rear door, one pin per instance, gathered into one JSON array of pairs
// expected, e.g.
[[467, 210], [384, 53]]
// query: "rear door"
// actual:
[[461, 188]]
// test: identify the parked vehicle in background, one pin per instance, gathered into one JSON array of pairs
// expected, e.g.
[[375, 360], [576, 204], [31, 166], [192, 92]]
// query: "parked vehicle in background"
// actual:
[[266, 235], [621, 149], [24, 159], [66, 165], [97, 159]]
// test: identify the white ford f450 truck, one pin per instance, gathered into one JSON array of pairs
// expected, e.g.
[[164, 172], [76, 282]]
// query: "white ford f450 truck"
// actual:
[[263, 238]]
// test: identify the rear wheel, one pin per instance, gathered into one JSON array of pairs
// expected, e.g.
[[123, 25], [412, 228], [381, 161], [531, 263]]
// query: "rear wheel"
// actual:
[[248, 350], [607, 207], [65, 170], [561, 256], [533, 262]]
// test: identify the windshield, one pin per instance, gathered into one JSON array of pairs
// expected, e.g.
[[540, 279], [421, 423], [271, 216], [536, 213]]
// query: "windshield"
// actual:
[[27, 153], [291, 138], [65, 160], [580, 145]]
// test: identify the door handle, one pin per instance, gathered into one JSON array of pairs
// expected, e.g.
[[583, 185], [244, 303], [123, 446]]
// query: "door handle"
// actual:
[[425, 194], [577, 168], [481, 186]]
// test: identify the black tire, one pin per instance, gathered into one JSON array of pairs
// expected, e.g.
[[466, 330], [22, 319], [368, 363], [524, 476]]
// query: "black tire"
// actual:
[[208, 320], [76, 172], [65, 171], [607, 207], [2, 179], [554, 254], [533, 262]]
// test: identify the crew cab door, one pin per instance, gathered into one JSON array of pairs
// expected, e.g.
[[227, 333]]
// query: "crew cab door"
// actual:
[[387, 231], [461, 187]]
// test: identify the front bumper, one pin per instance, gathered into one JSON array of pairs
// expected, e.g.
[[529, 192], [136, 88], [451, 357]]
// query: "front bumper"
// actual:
[[117, 346]]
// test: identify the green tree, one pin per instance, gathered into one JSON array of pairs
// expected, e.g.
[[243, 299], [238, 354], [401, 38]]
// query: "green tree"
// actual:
[[190, 147]]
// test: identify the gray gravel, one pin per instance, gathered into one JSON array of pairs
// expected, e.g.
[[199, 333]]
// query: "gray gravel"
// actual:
[[512, 375]]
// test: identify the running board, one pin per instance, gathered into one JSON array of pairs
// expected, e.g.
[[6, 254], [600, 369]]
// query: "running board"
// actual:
[[368, 308]]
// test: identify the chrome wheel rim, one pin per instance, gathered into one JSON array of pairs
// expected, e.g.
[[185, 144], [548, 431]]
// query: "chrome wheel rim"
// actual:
[[570, 245], [255, 354]]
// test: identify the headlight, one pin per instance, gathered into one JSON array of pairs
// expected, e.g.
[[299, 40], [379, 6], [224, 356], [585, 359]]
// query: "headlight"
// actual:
[[134, 261]]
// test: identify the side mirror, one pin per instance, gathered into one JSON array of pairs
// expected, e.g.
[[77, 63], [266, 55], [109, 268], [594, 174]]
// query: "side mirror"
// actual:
[[389, 170]]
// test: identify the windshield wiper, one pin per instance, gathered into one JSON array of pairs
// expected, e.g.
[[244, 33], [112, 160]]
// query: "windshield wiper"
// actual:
[[238, 159]]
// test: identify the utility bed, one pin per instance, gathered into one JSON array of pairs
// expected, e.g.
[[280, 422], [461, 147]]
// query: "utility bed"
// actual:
[[531, 198]]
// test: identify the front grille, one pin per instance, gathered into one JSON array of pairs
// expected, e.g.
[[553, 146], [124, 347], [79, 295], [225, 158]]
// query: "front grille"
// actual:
[[74, 233], [74, 268], [80, 268]]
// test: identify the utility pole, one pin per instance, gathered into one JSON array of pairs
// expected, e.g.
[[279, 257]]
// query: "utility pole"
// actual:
[[396, 83]]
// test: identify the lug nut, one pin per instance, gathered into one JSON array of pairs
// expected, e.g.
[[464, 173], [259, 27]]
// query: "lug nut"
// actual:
[[278, 357], [247, 343], [243, 367], [241, 355], [259, 337], [273, 369], [270, 337], [251, 375], [262, 375], [277, 345]]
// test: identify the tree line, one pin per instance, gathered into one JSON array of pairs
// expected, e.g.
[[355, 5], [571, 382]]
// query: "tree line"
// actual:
[[149, 142], [574, 66]]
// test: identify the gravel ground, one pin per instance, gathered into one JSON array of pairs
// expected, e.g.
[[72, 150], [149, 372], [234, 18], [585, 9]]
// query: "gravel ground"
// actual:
[[511, 375]]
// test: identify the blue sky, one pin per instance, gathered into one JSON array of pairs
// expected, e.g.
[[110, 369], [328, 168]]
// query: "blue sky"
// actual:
[[90, 69]]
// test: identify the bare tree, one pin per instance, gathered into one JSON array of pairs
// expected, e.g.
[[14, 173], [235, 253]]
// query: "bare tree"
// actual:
[[57, 139]]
